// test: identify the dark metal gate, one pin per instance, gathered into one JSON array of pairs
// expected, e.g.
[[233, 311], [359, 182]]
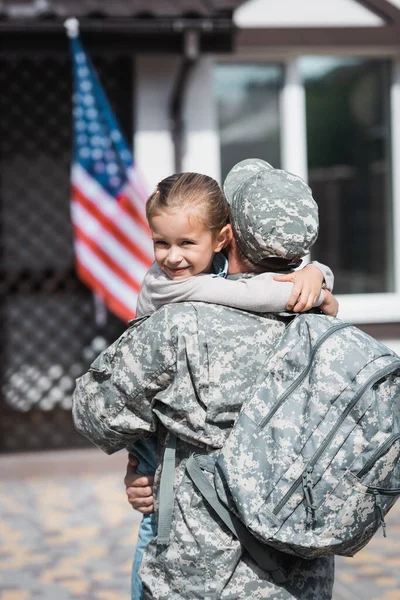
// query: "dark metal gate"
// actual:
[[48, 330]]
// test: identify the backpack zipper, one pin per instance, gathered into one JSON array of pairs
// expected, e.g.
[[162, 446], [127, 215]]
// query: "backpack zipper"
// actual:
[[302, 375], [308, 471], [378, 453], [378, 492]]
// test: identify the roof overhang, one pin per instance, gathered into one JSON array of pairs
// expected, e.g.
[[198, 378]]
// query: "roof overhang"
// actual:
[[112, 35], [136, 26], [317, 37]]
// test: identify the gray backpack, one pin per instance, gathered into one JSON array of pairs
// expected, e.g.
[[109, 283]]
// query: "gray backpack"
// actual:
[[311, 466]]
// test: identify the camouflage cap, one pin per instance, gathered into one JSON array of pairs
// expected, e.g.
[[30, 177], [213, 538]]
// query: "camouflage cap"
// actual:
[[273, 213]]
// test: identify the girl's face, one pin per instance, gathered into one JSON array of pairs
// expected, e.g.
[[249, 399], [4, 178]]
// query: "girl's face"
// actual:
[[182, 246]]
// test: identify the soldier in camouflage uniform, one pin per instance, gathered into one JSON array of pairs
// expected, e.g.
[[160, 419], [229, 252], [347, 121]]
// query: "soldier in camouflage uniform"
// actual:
[[185, 372]]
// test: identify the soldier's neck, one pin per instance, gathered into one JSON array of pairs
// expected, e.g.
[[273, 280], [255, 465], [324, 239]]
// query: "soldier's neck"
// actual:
[[236, 262]]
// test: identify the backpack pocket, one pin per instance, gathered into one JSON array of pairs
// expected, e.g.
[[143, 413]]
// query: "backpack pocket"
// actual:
[[348, 516], [358, 505], [356, 511], [382, 469]]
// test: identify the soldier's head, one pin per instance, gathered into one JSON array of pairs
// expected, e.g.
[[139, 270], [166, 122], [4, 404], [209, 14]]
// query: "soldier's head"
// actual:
[[274, 217]]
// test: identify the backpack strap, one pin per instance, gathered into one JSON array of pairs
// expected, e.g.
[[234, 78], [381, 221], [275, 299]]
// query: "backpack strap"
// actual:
[[166, 494], [248, 541]]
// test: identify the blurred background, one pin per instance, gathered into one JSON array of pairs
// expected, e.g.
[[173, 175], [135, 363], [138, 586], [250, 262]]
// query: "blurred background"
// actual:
[[311, 86]]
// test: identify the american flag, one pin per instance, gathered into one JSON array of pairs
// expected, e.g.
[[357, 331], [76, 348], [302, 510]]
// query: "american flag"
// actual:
[[113, 249]]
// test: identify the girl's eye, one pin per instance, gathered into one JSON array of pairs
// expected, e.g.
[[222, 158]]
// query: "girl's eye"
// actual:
[[159, 243], [187, 242]]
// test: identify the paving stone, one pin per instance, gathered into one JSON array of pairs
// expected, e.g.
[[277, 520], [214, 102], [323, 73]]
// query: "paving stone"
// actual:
[[68, 533]]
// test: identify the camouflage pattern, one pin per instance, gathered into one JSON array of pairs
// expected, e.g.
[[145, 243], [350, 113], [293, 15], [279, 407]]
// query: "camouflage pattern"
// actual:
[[326, 450], [273, 212], [187, 369]]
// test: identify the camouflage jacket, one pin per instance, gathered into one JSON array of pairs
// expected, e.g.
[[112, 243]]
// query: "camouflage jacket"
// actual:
[[188, 367]]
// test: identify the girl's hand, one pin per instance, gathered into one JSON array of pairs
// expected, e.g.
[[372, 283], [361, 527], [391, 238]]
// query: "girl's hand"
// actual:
[[139, 488], [329, 306], [307, 285]]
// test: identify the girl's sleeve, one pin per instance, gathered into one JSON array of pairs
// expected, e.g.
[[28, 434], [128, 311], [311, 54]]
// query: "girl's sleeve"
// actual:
[[327, 273], [260, 293], [145, 304]]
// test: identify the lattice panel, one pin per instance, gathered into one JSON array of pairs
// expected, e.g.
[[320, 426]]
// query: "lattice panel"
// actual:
[[48, 330]]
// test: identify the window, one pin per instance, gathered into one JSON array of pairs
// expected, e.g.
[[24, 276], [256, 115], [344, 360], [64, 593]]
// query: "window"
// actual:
[[349, 168], [335, 120], [248, 112]]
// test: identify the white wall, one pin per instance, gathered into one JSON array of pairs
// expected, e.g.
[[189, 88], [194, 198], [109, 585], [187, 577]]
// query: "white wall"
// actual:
[[201, 150], [304, 13], [154, 153]]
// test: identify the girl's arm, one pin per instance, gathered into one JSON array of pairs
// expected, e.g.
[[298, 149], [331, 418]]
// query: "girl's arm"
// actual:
[[259, 293], [304, 288]]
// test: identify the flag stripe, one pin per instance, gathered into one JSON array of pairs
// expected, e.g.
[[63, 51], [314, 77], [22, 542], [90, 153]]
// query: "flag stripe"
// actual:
[[137, 185], [88, 224], [118, 288], [118, 308], [95, 194], [106, 258], [125, 202], [111, 226]]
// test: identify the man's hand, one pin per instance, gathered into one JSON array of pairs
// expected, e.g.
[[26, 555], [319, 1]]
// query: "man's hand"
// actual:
[[329, 306], [139, 488], [306, 287]]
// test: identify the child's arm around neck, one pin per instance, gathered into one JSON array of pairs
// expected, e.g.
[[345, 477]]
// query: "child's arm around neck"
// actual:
[[258, 294]]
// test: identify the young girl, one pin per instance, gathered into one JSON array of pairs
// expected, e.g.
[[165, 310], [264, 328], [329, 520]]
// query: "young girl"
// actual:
[[189, 220]]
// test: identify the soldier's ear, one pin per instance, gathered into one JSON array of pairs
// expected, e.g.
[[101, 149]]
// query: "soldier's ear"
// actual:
[[223, 238]]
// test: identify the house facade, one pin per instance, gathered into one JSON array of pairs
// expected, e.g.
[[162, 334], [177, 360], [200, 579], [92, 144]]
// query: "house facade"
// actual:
[[312, 86]]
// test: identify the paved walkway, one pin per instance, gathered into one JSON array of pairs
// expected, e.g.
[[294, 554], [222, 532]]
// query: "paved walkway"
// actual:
[[67, 533]]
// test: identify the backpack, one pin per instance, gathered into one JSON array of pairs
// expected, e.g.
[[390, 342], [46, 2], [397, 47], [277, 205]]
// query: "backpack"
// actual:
[[311, 465]]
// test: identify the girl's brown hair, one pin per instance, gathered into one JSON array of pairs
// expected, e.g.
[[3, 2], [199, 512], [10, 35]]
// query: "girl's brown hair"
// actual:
[[200, 193]]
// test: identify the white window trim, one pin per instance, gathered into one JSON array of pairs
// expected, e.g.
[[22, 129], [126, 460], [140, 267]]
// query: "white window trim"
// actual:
[[356, 308], [393, 345], [293, 127]]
